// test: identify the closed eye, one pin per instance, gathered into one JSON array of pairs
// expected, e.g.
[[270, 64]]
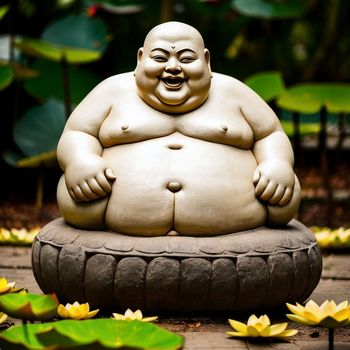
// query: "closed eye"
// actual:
[[159, 58], [187, 59]]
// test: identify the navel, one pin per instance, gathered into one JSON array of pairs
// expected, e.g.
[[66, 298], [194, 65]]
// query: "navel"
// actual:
[[175, 146], [174, 187]]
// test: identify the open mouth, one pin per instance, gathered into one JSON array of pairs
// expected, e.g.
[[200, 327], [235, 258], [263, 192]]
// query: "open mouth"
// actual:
[[173, 82]]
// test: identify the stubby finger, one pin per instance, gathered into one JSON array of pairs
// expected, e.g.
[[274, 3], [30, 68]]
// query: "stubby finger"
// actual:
[[72, 194], [256, 176], [96, 188], [80, 195], [103, 182], [269, 191], [87, 191], [261, 185], [277, 195], [286, 197]]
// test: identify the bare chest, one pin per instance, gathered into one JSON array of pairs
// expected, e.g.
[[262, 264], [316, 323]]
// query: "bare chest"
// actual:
[[134, 121]]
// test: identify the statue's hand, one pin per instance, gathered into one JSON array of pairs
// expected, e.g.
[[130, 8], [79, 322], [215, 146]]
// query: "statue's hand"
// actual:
[[274, 182], [89, 179]]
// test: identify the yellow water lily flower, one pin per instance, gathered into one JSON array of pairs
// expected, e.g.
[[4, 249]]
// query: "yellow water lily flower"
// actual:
[[137, 315], [327, 238], [6, 287], [76, 311], [3, 318], [329, 314], [260, 327]]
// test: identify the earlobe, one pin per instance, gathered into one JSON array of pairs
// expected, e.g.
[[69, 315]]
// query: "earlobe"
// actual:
[[139, 54], [207, 58]]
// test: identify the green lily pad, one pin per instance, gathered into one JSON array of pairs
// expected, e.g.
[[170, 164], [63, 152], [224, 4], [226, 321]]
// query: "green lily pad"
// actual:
[[40, 128], [91, 334], [119, 7], [310, 98], [3, 10], [29, 306], [49, 83], [6, 76], [267, 85], [305, 128], [269, 9], [78, 32], [44, 49]]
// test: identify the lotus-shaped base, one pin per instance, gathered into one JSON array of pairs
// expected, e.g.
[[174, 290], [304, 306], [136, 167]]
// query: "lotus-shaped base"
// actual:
[[244, 271]]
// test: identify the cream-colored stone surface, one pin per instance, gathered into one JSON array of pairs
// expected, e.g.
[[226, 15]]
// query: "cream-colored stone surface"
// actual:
[[175, 147]]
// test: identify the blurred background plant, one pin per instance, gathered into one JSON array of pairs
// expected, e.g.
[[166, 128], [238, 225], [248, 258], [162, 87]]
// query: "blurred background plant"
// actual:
[[52, 53]]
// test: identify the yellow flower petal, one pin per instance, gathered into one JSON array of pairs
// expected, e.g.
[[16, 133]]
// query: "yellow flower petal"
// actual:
[[138, 315], [150, 319], [288, 333], [252, 331], [301, 320], [342, 305], [238, 326], [74, 312], [252, 320], [296, 310], [342, 315], [91, 314], [3, 318], [237, 334], [312, 307], [129, 314], [84, 309], [62, 311], [118, 316], [278, 328], [264, 319], [328, 308], [259, 327], [312, 316]]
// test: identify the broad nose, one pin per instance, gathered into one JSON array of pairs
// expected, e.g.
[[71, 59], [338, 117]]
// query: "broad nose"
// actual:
[[173, 67]]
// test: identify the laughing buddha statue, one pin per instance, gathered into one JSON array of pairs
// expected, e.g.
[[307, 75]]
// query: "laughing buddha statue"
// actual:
[[174, 148]]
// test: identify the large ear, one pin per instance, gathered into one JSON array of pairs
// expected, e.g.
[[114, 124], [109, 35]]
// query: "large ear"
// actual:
[[139, 54], [207, 58]]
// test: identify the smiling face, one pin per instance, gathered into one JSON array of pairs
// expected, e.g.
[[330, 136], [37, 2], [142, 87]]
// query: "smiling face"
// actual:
[[173, 69]]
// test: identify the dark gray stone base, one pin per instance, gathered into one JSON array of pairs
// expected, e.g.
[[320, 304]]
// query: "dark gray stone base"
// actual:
[[245, 271]]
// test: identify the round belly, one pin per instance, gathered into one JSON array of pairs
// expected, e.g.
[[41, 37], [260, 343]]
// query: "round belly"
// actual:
[[179, 183]]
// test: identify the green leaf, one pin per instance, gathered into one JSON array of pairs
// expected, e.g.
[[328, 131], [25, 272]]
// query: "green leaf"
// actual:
[[310, 98], [267, 85], [269, 9], [29, 306], [40, 128], [3, 10], [91, 334], [6, 76], [119, 7], [49, 83], [78, 32], [53, 52], [305, 128]]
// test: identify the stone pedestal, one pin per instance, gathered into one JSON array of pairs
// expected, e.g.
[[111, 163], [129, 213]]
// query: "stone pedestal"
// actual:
[[242, 272]]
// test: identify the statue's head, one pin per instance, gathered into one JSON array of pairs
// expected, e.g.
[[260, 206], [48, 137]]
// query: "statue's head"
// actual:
[[173, 72]]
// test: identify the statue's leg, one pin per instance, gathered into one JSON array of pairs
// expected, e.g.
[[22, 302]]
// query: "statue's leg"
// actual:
[[86, 215], [277, 215]]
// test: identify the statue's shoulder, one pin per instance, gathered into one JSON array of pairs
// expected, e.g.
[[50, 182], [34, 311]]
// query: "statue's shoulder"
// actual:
[[226, 84], [223, 81]]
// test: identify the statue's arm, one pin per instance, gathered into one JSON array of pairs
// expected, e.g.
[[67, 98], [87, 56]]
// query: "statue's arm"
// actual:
[[79, 150], [274, 177]]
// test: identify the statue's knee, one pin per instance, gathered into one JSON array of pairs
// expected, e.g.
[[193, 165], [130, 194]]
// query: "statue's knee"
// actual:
[[277, 215], [86, 215]]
